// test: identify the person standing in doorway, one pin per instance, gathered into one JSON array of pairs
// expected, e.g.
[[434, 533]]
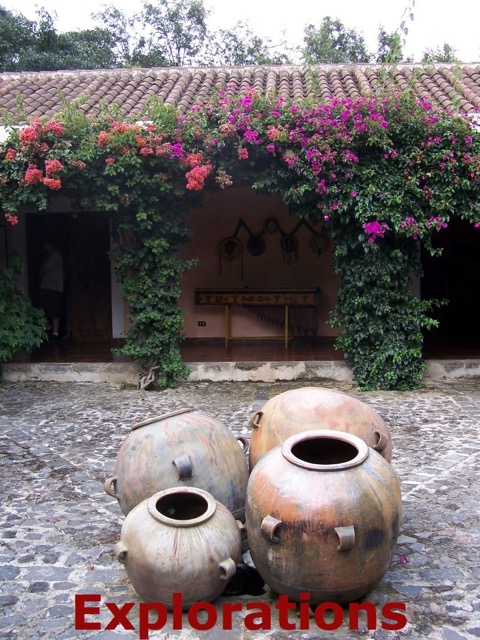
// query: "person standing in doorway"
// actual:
[[51, 287]]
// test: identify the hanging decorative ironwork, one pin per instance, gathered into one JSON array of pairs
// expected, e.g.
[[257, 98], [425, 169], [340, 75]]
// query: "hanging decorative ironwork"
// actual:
[[231, 247]]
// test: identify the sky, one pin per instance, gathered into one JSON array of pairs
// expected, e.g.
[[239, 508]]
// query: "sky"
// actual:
[[434, 21]]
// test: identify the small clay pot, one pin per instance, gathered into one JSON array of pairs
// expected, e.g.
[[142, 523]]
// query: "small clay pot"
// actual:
[[180, 540]]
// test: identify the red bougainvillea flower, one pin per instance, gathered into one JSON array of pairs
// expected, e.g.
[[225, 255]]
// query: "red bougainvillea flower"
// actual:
[[242, 153], [54, 126], [140, 141], [109, 160], [197, 176], [53, 166], [31, 133], [11, 154], [52, 183], [194, 159], [33, 174], [102, 139]]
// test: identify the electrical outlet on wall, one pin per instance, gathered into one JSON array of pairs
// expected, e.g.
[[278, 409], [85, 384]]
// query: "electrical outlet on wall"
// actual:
[[202, 323]]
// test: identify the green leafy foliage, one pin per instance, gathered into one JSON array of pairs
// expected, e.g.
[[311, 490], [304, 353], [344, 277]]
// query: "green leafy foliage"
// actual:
[[333, 42], [22, 326]]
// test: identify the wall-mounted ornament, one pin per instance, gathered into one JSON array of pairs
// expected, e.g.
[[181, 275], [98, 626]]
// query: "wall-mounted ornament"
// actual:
[[271, 225], [319, 242], [255, 245], [229, 250], [289, 246]]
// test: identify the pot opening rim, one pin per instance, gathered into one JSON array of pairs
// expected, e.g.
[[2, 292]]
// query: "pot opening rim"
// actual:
[[182, 506], [325, 450]]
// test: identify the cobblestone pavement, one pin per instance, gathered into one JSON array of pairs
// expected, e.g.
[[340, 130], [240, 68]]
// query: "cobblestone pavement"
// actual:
[[58, 443]]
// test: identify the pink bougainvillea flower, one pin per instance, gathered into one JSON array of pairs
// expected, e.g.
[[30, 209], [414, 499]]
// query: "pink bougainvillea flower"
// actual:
[[109, 160], [242, 153], [12, 219], [412, 226], [403, 559], [374, 230], [252, 135], [273, 133], [176, 151], [437, 222]]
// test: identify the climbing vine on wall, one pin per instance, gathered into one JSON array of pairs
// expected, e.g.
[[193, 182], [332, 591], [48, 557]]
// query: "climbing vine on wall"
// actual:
[[385, 173]]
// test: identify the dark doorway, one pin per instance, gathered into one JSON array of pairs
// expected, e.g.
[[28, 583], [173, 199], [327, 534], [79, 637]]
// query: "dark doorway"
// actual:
[[455, 276], [84, 242]]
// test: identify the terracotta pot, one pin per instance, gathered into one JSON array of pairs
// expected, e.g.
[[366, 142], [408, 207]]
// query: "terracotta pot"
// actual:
[[182, 448], [322, 515], [180, 540], [307, 408]]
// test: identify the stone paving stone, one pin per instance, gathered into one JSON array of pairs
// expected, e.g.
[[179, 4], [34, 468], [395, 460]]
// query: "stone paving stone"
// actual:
[[59, 441]]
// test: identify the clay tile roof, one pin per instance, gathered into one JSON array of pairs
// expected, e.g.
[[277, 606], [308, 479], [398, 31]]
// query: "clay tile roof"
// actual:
[[36, 94]]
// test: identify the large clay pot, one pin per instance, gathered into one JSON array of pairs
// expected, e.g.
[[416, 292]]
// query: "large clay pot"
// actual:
[[182, 448], [322, 515], [181, 541], [310, 408]]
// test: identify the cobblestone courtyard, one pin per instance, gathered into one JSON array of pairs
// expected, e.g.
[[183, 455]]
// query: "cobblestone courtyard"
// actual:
[[58, 443]]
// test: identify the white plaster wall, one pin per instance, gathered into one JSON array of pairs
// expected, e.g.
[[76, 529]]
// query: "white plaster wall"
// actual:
[[216, 220]]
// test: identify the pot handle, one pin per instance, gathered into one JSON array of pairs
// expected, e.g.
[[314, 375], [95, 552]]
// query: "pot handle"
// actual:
[[268, 529], [381, 442], [120, 551], [244, 443], [110, 486], [228, 568], [255, 419], [184, 467], [346, 537], [242, 527]]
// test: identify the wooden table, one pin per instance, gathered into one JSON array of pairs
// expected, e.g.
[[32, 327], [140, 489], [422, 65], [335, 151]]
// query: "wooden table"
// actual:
[[256, 297]]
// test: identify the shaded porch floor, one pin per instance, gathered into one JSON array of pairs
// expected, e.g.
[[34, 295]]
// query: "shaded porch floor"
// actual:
[[442, 348]]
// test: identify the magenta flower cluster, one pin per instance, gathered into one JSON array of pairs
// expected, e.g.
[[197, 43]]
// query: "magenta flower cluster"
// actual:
[[374, 230]]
